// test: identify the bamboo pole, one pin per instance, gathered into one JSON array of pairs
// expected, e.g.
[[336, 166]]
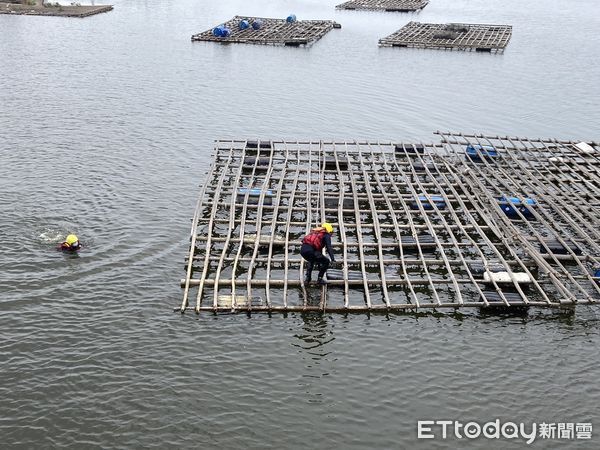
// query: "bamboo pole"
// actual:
[[376, 227], [353, 183], [259, 217], [342, 176], [382, 180], [208, 242], [193, 237], [506, 180]]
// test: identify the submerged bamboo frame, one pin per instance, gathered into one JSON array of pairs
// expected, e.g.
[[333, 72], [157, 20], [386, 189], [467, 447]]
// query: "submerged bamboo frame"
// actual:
[[417, 225]]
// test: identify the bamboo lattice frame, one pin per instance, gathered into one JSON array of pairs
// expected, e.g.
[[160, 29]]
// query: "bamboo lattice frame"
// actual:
[[53, 10], [453, 36], [385, 5], [416, 226], [272, 31]]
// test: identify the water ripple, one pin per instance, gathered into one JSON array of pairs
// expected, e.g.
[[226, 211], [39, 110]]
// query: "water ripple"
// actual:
[[108, 133]]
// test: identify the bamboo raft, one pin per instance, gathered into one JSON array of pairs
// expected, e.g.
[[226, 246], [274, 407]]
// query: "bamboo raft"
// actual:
[[51, 10], [453, 36], [385, 5], [272, 32], [471, 221]]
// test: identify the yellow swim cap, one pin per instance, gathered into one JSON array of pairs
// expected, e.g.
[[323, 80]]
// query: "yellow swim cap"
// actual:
[[328, 227], [71, 239]]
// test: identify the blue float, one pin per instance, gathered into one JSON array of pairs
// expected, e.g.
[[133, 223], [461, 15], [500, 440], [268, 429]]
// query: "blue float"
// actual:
[[254, 192], [244, 24], [221, 31], [257, 24], [513, 205], [254, 196], [291, 18], [429, 202], [479, 152]]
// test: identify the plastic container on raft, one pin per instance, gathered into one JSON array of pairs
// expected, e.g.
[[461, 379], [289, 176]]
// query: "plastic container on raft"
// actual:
[[257, 24], [244, 24], [221, 31], [556, 247], [478, 153], [291, 18], [496, 304], [400, 149], [513, 205], [254, 196], [429, 202]]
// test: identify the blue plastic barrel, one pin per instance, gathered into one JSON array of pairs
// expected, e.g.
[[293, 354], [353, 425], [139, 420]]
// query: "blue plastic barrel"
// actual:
[[429, 202], [244, 24], [257, 24], [291, 18], [225, 32], [217, 31], [510, 206], [476, 151], [255, 192], [254, 196], [517, 201], [597, 273]]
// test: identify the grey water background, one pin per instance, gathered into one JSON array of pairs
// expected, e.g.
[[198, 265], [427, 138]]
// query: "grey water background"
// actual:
[[106, 130]]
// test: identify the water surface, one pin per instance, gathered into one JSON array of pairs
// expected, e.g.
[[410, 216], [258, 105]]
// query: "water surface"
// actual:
[[106, 130]]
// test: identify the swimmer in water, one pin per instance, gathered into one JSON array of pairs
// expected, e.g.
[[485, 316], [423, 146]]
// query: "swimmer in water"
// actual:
[[71, 244]]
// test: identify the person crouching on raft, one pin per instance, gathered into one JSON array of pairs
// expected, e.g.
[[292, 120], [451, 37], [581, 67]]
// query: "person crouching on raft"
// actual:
[[312, 251], [71, 244]]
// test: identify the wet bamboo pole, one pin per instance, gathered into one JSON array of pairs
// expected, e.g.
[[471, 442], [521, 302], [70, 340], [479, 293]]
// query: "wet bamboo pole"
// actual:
[[376, 228], [220, 265], [506, 180], [357, 218], [208, 242], [287, 228], [382, 179], [539, 214], [342, 176], [477, 246], [193, 236], [259, 215]]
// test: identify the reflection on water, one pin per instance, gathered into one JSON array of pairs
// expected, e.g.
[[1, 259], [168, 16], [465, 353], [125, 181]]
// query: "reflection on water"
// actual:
[[316, 333], [312, 340]]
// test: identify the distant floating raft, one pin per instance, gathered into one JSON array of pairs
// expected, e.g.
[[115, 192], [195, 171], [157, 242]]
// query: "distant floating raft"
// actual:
[[55, 9], [385, 5], [417, 226], [453, 36], [259, 30]]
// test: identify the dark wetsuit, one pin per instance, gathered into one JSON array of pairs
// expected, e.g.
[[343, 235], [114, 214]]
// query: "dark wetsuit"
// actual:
[[312, 251], [69, 248]]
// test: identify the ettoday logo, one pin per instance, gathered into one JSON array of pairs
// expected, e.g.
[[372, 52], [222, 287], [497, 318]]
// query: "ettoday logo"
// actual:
[[442, 429]]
